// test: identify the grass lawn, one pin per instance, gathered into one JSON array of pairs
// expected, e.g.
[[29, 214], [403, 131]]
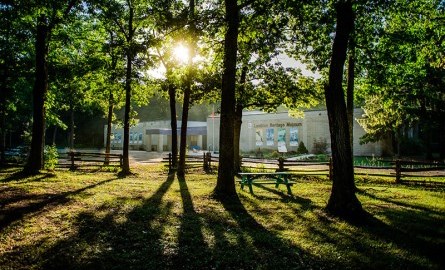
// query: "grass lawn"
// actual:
[[84, 220]]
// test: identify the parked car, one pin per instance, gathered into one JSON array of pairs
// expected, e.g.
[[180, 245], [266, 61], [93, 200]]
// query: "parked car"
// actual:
[[17, 154]]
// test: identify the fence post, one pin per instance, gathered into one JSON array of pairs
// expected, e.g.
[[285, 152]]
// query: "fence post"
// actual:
[[331, 170], [71, 154], [209, 160], [107, 159], [280, 164], [398, 171], [204, 161]]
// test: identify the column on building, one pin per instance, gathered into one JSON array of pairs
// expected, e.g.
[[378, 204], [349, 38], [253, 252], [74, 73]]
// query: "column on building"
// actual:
[[169, 142], [148, 142], [304, 137], [160, 143], [199, 143]]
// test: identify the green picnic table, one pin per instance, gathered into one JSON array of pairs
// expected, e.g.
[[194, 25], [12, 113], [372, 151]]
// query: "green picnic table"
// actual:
[[276, 178]]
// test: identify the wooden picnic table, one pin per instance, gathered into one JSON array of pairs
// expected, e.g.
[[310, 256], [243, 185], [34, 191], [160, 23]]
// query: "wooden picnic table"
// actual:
[[276, 178]]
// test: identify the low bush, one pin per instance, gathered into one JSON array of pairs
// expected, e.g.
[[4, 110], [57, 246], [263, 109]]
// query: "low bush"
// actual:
[[320, 146], [51, 157], [302, 148]]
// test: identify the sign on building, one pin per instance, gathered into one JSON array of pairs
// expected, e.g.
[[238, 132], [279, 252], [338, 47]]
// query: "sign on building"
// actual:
[[259, 137]]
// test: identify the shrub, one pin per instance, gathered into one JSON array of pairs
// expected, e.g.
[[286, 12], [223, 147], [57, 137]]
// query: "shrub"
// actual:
[[320, 146], [51, 157], [302, 148], [275, 154], [259, 154]]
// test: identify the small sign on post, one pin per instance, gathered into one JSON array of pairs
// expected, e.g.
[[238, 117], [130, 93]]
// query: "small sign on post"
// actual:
[[282, 148]]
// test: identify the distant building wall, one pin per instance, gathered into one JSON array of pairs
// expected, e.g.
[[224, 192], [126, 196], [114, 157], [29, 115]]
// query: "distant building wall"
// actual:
[[269, 131], [157, 136]]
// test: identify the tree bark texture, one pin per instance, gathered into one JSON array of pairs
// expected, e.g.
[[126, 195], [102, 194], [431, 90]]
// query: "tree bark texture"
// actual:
[[110, 100], [342, 202], [126, 146], [442, 139], [350, 93], [35, 160], [54, 135], [225, 185], [5, 89], [2, 136], [238, 120], [72, 134], [173, 123], [187, 92], [128, 79], [185, 115], [109, 122]]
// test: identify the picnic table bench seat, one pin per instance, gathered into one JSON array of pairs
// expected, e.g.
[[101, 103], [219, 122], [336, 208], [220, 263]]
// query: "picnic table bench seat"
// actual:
[[276, 178]]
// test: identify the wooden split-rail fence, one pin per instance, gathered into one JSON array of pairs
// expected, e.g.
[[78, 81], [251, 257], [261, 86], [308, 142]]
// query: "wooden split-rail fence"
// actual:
[[91, 159], [192, 161], [398, 169]]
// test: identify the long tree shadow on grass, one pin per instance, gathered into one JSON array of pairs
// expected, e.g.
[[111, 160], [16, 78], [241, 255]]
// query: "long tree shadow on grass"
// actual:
[[286, 198], [414, 228], [45, 201], [21, 176], [402, 247], [412, 239], [254, 246], [399, 203], [109, 243], [193, 251]]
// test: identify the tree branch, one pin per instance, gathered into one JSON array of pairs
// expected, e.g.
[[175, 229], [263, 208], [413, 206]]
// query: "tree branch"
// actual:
[[55, 20]]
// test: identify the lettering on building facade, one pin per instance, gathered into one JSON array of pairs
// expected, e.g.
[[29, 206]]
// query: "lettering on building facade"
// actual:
[[278, 125]]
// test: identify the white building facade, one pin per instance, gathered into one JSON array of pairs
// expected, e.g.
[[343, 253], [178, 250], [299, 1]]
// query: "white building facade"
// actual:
[[278, 131], [157, 136]]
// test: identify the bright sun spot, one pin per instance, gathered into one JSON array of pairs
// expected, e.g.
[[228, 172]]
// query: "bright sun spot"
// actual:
[[181, 53]]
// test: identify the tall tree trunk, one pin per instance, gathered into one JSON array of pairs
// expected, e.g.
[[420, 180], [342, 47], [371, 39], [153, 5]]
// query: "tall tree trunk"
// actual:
[[238, 120], [5, 89], [72, 127], [2, 137], [35, 160], [110, 99], [187, 90], [350, 93], [183, 143], [109, 122], [342, 202], [128, 78], [427, 131], [225, 184], [428, 143], [54, 135], [173, 122], [398, 138], [126, 160], [442, 139]]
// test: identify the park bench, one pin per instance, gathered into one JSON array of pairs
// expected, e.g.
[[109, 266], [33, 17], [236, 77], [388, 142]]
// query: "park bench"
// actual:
[[93, 159], [276, 178]]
